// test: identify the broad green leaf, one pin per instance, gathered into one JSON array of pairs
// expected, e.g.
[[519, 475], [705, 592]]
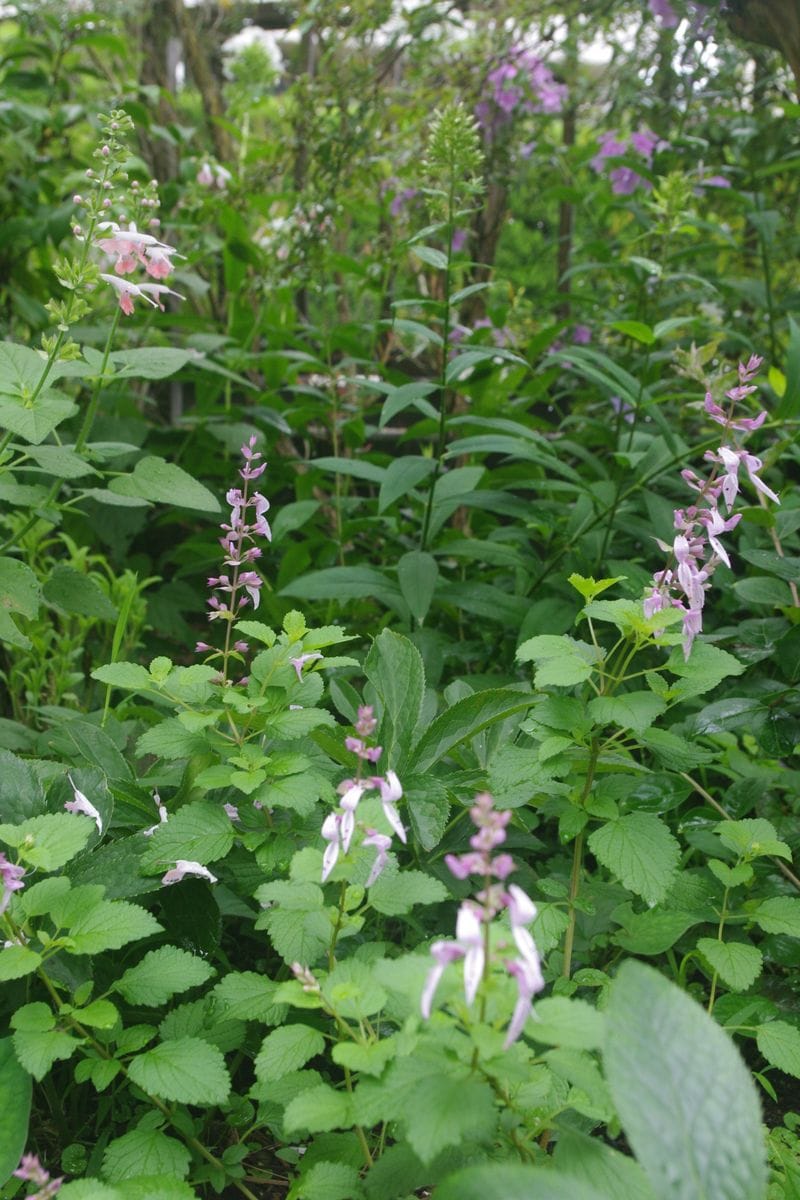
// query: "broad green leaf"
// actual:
[[145, 1152], [100, 1014], [347, 583], [109, 925], [352, 991], [640, 850], [21, 791], [705, 669], [126, 675], [753, 837], [401, 476], [396, 894], [779, 1042], [328, 1181], [778, 914], [595, 1163], [367, 1059], [636, 330], [15, 1108], [74, 592], [418, 575], [318, 1109], [37, 1050], [394, 668], [562, 1021], [443, 1110], [298, 935], [287, 1049], [49, 841], [431, 256], [248, 996], [21, 369], [188, 1070], [655, 931], [35, 423], [511, 1181], [164, 483], [19, 588], [149, 362], [561, 661], [738, 964], [463, 720], [689, 1144], [161, 974], [631, 710], [199, 832], [16, 961], [358, 468], [153, 1187]]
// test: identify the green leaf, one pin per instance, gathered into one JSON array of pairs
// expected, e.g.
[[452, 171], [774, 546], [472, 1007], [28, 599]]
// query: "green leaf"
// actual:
[[431, 256], [655, 931], [640, 850], [163, 483], [15, 1109], [560, 1021], [162, 973], [347, 583], [100, 1014], [149, 362], [318, 1109], [352, 991], [753, 837], [463, 720], [287, 1049], [396, 894], [19, 593], [779, 1042], [35, 423], [443, 1110], [328, 1181], [358, 468], [298, 935], [245, 995], [145, 1152], [394, 668], [153, 1187], [418, 575], [16, 961], [74, 592], [126, 675], [401, 476], [21, 791], [199, 832], [109, 925], [593, 1162], [509, 1181], [738, 964], [632, 710], [689, 1144], [49, 841], [38, 1050], [706, 668], [636, 330], [561, 661], [188, 1070], [779, 914]]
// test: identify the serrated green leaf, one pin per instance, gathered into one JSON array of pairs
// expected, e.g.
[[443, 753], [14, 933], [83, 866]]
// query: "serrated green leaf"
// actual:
[[16, 961], [705, 669], [130, 676], [318, 1109], [50, 841], [162, 973], [199, 832], [37, 1051], [162, 482], [563, 1021], [247, 996], [329, 1181], [145, 1152], [463, 721], [394, 668], [753, 837], [737, 963], [351, 990], [188, 1070], [640, 850], [512, 1181], [632, 710], [687, 1142], [298, 935], [396, 894], [109, 925], [15, 1108], [779, 1042], [443, 1110], [779, 914], [561, 661], [287, 1049]]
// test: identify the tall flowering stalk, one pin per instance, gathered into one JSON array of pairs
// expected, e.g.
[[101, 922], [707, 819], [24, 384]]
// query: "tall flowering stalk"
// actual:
[[697, 550], [476, 915], [339, 826], [232, 591]]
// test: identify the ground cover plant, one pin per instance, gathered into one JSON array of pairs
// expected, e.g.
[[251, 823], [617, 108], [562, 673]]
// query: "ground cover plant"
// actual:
[[398, 601]]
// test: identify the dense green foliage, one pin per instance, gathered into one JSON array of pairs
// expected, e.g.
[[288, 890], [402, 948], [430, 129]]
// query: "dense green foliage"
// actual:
[[487, 296]]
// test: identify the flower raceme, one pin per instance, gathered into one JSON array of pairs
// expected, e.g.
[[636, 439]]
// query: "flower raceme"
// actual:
[[683, 583], [474, 915], [339, 827]]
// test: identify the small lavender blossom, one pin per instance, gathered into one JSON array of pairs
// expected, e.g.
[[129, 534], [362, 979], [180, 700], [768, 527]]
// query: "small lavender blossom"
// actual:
[[300, 662], [382, 843], [231, 811], [32, 1171], [80, 804], [184, 867], [11, 878], [663, 11]]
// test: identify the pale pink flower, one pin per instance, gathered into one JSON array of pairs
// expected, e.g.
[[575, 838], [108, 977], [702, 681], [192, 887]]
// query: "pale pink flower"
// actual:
[[184, 867], [299, 662], [80, 804], [382, 843], [11, 878], [391, 791], [127, 292]]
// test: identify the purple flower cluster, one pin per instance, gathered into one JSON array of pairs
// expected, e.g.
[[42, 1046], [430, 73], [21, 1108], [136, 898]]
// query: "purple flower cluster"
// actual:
[[471, 941], [11, 880], [522, 83], [32, 1171], [684, 581], [339, 826], [238, 543], [624, 180]]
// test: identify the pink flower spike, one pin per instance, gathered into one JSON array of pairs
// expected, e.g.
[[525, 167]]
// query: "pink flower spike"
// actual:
[[80, 804], [11, 879], [381, 842], [182, 868]]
